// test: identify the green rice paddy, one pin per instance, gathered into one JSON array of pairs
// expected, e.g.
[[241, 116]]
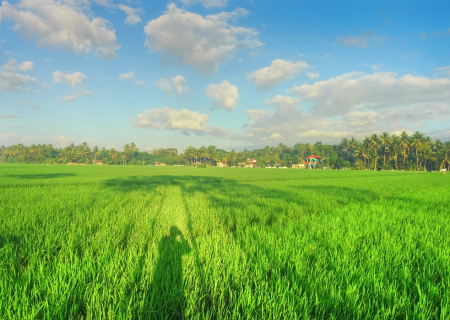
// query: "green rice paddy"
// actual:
[[134, 242]]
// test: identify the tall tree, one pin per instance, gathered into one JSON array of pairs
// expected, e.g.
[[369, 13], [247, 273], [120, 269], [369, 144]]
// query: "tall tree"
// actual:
[[418, 141], [375, 144]]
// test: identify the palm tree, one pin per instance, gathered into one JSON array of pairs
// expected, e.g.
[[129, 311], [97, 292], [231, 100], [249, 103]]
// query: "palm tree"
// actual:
[[113, 154], [363, 153], [375, 144], [233, 155], [133, 149], [344, 146], [418, 141], [429, 155], [405, 143], [385, 139]]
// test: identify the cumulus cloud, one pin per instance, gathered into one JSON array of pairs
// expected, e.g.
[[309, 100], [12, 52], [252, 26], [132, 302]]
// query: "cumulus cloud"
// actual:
[[170, 119], [225, 93], [323, 134], [71, 79], [61, 141], [186, 121], [206, 3], [133, 17], [360, 41], [312, 75], [361, 119], [77, 95], [356, 90], [25, 66], [164, 85], [177, 82], [255, 114], [416, 114], [126, 76], [278, 71], [10, 81], [62, 24], [201, 42], [141, 83]]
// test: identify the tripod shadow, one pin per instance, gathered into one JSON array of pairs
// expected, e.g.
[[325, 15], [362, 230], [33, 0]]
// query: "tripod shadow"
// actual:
[[168, 292]]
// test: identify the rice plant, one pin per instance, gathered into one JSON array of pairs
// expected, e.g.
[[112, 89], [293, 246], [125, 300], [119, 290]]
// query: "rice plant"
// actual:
[[91, 242]]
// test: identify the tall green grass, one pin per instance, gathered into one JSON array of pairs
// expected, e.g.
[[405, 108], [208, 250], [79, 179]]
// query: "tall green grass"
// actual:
[[92, 242]]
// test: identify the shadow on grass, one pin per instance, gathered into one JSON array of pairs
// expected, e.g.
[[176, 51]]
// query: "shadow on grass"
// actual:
[[39, 176], [167, 286]]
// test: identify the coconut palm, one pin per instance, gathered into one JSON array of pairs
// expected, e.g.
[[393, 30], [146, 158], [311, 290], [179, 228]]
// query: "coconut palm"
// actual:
[[375, 144], [385, 139], [405, 142], [418, 141]]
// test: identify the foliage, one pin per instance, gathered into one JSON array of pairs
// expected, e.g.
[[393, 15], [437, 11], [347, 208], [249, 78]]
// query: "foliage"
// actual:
[[377, 151]]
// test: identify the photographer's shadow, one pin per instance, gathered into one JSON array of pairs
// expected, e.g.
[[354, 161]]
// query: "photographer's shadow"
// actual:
[[167, 285]]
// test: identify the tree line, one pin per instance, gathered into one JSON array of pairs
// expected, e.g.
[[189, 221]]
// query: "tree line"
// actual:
[[378, 151]]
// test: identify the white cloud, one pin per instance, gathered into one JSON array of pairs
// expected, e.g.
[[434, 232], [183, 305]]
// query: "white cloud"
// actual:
[[443, 70], [312, 75], [255, 114], [361, 119], [77, 95], [206, 3], [126, 76], [73, 80], [24, 66], [170, 119], [377, 67], [141, 83], [61, 141], [360, 41], [356, 90], [178, 82], [327, 55], [225, 93], [416, 114], [132, 14], [186, 121], [164, 85], [279, 71], [10, 65], [61, 24], [323, 134], [276, 136], [201, 42], [10, 81]]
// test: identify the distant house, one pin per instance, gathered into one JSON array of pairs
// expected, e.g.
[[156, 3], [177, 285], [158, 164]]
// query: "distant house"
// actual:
[[98, 162], [249, 163], [159, 163], [278, 165], [298, 166], [313, 161], [221, 164]]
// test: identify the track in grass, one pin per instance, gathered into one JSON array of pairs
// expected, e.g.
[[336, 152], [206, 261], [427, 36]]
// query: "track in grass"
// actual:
[[177, 242]]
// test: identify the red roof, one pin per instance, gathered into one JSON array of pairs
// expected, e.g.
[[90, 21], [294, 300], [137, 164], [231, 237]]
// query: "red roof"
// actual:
[[315, 157]]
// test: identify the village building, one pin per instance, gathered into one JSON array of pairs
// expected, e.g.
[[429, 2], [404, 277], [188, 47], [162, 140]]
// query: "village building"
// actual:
[[313, 161], [159, 164], [221, 164], [298, 166], [98, 162], [250, 163]]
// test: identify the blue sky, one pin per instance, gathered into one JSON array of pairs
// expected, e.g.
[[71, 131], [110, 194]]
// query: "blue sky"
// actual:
[[233, 74]]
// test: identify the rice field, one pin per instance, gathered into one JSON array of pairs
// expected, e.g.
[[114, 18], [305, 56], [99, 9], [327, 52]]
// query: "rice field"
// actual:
[[134, 242]]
